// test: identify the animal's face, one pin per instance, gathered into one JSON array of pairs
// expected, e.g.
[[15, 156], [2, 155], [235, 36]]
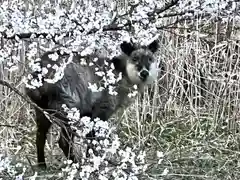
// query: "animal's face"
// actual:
[[140, 66]]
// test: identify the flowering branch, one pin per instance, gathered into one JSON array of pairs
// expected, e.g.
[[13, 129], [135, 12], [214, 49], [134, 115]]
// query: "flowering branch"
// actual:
[[111, 27]]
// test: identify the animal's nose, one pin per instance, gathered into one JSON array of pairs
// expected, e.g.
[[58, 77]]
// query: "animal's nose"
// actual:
[[144, 74]]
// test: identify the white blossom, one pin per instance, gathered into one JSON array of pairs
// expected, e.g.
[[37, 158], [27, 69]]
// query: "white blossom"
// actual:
[[87, 36], [53, 56]]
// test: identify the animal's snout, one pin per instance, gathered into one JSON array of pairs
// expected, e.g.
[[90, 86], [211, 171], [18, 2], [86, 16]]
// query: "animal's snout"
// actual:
[[144, 74]]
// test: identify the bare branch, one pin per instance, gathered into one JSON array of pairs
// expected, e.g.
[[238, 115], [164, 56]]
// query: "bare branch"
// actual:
[[164, 8], [7, 125]]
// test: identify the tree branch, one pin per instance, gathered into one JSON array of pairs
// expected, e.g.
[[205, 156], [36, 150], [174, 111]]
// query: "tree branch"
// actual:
[[164, 8], [176, 14], [111, 27], [51, 118]]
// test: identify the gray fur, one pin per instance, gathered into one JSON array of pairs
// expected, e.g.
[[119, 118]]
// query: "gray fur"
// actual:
[[73, 90]]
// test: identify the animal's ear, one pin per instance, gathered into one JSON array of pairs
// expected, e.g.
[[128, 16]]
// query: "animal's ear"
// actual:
[[153, 46], [119, 64], [127, 48]]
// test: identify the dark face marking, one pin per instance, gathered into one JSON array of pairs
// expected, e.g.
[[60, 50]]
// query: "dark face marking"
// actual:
[[142, 58]]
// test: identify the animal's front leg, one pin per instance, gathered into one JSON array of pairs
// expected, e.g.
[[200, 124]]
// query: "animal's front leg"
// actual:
[[43, 125], [65, 143], [102, 109]]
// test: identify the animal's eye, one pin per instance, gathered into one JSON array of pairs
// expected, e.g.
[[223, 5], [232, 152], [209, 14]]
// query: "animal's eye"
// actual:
[[135, 59], [150, 59]]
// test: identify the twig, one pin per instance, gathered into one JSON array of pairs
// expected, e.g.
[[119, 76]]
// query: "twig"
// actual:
[[6, 125], [30, 164], [164, 8], [176, 14], [111, 27]]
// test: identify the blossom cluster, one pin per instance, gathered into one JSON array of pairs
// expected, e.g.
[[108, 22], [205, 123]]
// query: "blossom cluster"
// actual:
[[42, 73], [109, 79], [109, 159], [14, 170], [81, 26]]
